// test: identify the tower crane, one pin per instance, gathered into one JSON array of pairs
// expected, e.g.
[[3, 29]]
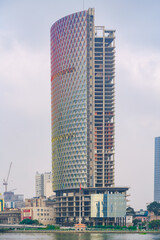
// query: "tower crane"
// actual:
[[5, 182]]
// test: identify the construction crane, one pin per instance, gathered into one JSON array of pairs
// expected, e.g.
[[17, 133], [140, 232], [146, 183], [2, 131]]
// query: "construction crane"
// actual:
[[5, 182]]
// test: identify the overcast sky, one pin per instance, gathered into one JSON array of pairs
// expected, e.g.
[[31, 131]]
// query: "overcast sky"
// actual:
[[25, 119]]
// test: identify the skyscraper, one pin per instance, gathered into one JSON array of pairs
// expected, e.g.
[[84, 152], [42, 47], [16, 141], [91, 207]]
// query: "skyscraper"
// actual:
[[157, 170], [43, 184], [82, 105]]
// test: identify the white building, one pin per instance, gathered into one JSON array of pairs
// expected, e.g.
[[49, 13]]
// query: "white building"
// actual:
[[39, 184], [129, 221], [43, 184], [48, 184]]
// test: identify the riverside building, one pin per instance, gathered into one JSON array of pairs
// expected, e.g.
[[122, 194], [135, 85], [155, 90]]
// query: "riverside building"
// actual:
[[83, 120]]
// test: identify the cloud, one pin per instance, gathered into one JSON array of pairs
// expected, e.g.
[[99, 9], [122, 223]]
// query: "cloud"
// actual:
[[137, 120], [25, 113], [24, 75]]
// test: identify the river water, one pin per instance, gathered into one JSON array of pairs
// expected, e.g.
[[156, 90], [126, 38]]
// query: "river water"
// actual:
[[78, 236]]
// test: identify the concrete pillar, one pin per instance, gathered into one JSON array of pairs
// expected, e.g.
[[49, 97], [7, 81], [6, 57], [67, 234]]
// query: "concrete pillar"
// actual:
[[82, 206], [94, 223], [103, 222], [74, 206]]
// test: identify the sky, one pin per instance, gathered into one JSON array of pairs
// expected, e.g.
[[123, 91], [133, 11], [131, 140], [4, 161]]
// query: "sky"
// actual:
[[25, 102]]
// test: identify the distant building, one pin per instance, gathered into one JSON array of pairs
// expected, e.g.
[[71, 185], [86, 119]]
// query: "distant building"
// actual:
[[157, 170], [129, 221], [39, 184], [43, 184], [44, 215], [48, 184], [152, 216], [12, 200], [141, 215], [11, 216], [1, 204], [39, 208]]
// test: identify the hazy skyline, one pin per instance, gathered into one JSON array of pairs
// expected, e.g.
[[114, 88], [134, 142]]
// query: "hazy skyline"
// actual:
[[25, 124]]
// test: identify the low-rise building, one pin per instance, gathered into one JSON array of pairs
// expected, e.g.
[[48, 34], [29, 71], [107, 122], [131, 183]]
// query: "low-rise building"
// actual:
[[11, 216], [99, 206], [141, 215], [36, 202], [129, 221], [152, 216], [39, 208], [45, 215]]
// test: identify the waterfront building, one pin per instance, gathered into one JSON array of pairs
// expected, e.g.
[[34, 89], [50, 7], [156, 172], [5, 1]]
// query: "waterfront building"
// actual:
[[141, 215], [157, 170], [43, 184], [39, 208], [10, 216], [45, 215], [83, 116], [129, 221]]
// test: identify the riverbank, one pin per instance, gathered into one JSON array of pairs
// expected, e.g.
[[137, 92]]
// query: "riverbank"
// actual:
[[86, 231]]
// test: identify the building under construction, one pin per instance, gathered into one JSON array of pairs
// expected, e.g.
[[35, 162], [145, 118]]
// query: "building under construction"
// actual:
[[83, 120]]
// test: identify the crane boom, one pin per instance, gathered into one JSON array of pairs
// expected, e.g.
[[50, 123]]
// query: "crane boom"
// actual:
[[9, 171], [5, 182]]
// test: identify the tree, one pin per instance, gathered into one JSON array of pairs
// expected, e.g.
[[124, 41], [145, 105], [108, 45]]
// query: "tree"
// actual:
[[136, 221], [154, 207], [29, 222], [155, 224], [130, 211]]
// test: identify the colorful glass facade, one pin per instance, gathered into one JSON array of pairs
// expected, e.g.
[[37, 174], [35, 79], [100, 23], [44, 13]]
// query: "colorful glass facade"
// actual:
[[82, 102], [69, 101]]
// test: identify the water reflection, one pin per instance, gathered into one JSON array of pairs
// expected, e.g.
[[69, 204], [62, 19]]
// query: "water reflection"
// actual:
[[78, 236]]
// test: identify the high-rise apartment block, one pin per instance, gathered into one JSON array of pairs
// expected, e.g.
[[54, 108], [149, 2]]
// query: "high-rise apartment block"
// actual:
[[83, 110], [43, 184], [157, 170]]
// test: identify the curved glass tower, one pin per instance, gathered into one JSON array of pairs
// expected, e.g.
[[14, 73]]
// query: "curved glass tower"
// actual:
[[69, 101], [82, 103]]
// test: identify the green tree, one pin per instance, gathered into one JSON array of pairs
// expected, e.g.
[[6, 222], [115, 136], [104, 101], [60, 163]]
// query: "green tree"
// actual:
[[155, 224], [136, 221], [154, 207], [29, 222], [130, 211]]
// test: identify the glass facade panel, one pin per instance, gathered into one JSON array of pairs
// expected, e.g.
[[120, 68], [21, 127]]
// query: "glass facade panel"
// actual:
[[69, 97]]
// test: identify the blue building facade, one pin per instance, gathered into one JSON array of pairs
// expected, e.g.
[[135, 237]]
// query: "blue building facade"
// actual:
[[157, 170]]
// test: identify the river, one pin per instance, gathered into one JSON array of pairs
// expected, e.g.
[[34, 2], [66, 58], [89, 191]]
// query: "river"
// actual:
[[78, 236]]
